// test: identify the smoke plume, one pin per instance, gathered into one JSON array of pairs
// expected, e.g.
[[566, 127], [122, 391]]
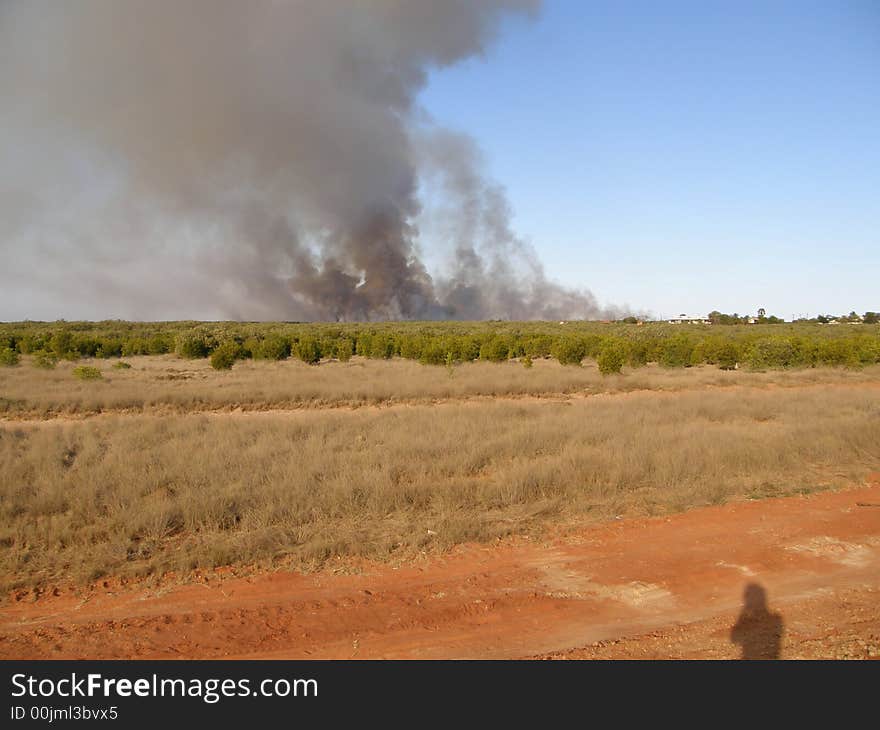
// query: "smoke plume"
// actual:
[[251, 160]]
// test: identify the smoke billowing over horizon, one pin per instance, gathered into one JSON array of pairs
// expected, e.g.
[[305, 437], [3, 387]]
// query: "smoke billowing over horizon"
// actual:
[[260, 160]]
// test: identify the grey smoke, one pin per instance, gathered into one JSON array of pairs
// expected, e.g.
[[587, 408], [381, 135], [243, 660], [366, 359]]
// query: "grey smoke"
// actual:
[[250, 160]]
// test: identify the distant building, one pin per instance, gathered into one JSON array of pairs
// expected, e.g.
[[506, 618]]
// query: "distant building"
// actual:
[[686, 319]]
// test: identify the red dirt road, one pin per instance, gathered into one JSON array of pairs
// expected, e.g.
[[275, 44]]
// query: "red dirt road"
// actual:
[[659, 587]]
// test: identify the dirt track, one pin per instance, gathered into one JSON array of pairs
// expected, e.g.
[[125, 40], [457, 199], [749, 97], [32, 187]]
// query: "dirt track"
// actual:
[[670, 586]]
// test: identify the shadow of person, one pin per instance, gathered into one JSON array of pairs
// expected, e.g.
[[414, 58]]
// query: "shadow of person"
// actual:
[[757, 630]]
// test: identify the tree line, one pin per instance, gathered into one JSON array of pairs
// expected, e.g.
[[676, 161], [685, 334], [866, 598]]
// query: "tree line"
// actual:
[[611, 345]]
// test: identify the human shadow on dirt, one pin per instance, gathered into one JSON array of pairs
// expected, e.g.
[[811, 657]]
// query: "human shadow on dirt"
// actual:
[[757, 630]]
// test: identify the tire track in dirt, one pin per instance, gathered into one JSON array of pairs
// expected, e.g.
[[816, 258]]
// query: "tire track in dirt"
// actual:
[[628, 578]]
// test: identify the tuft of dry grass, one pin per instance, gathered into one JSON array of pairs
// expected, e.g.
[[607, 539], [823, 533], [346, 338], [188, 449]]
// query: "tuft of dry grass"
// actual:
[[146, 494]]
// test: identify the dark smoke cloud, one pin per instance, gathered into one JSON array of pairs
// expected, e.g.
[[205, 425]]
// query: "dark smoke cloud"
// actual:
[[251, 160]]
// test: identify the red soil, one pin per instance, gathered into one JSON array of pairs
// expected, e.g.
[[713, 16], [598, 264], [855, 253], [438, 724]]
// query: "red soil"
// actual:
[[658, 587]]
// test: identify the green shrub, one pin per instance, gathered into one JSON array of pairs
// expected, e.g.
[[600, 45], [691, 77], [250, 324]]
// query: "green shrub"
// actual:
[[134, 346], [527, 362], [594, 344], [716, 350], [677, 351], [410, 347], [225, 355], [109, 347], [363, 344], [61, 344], [838, 352], [516, 348], [344, 349], [30, 343], [610, 360], [45, 360], [87, 372], [8, 357], [637, 354], [570, 351], [727, 356], [85, 347], [771, 353], [806, 351], [539, 346], [272, 347], [192, 346], [122, 365], [308, 350], [382, 347], [468, 348], [495, 349], [276, 347], [159, 345], [868, 351], [433, 353]]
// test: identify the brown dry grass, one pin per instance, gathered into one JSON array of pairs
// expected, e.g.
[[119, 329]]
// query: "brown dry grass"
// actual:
[[167, 384], [151, 493]]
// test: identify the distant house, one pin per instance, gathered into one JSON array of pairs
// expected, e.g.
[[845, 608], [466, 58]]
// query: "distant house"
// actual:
[[686, 319]]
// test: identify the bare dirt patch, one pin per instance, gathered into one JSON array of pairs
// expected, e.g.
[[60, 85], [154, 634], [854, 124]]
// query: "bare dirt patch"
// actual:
[[656, 587]]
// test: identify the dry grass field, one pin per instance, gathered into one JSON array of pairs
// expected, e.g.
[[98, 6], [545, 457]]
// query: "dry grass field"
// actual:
[[171, 466], [168, 384]]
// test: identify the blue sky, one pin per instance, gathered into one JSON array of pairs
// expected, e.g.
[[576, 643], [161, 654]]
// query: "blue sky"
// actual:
[[687, 156]]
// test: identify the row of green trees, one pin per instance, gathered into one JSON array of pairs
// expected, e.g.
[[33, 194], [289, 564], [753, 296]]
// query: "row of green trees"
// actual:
[[852, 317], [610, 352], [716, 317], [612, 346], [71, 345]]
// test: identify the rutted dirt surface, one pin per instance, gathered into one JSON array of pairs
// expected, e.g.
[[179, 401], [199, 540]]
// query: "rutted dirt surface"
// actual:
[[659, 587]]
